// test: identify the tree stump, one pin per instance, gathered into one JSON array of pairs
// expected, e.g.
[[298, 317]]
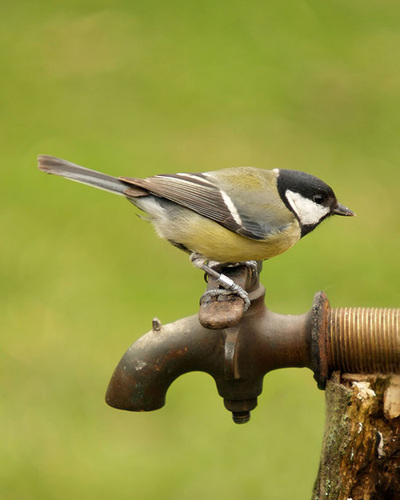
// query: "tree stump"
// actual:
[[361, 447]]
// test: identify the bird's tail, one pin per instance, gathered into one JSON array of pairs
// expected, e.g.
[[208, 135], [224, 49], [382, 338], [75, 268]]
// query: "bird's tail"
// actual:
[[63, 168]]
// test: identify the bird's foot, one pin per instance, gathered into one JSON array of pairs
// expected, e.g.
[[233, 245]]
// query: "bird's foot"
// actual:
[[213, 268], [233, 290]]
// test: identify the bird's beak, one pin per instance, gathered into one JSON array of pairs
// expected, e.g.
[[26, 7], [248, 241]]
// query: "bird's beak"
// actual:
[[342, 210]]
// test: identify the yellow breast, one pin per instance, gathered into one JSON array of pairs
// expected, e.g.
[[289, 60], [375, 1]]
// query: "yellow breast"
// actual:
[[214, 242]]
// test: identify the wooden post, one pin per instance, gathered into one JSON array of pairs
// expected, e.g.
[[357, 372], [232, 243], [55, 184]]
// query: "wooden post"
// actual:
[[361, 447]]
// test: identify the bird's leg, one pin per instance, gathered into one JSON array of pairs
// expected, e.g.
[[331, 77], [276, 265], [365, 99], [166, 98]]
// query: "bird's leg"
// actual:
[[230, 287]]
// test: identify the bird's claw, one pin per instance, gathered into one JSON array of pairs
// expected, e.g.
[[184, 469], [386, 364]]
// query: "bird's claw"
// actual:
[[230, 287], [220, 292]]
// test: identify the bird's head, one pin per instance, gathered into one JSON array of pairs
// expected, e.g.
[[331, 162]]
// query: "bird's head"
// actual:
[[310, 199]]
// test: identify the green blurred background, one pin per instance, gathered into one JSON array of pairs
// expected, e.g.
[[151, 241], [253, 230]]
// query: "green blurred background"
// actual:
[[143, 87]]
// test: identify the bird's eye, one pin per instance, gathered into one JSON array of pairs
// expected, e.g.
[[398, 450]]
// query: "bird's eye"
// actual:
[[319, 199]]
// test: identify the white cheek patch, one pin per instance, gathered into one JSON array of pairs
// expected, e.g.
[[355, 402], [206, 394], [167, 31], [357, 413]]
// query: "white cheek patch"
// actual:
[[308, 212]]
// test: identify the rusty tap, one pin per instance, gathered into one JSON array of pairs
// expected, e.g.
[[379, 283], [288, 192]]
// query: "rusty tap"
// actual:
[[238, 348]]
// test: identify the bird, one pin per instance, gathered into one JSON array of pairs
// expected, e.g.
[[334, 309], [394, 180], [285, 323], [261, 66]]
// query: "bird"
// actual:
[[222, 217]]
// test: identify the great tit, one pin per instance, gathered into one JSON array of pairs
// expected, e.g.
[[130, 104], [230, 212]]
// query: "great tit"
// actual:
[[230, 215]]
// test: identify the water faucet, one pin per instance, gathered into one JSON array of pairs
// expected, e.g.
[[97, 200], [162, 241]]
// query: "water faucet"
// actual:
[[238, 348]]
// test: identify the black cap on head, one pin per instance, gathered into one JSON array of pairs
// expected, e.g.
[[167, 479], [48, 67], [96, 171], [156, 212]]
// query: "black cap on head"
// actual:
[[306, 184]]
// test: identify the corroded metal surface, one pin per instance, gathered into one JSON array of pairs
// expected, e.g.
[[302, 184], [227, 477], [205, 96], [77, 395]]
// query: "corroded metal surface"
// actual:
[[237, 357], [238, 348], [364, 340]]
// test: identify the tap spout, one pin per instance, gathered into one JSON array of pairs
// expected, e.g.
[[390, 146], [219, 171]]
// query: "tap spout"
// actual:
[[147, 369]]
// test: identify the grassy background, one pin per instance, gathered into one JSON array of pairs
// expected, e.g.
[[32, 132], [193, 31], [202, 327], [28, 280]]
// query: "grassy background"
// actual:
[[145, 87]]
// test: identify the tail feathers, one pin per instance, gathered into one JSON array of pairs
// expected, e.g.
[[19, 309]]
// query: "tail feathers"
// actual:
[[64, 168]]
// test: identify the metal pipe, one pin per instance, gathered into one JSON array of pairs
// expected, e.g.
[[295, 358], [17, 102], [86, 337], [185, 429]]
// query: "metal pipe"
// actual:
[[363, 340], [238, 348]]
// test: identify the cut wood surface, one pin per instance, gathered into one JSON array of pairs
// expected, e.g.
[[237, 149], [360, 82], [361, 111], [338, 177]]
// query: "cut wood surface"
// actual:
[[361, 449]]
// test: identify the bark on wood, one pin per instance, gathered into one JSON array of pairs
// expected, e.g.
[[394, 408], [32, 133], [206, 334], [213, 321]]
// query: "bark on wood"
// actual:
[[361, 448]]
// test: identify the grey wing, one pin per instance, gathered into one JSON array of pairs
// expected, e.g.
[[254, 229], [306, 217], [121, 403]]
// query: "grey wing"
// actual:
[[200, 194]]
